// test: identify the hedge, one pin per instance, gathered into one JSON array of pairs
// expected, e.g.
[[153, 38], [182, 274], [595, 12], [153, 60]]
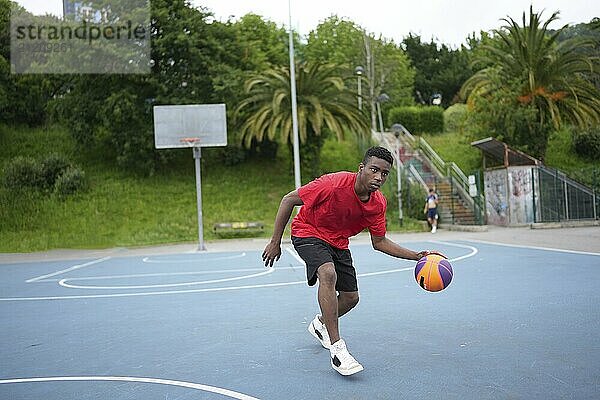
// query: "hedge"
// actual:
[[418, 119]]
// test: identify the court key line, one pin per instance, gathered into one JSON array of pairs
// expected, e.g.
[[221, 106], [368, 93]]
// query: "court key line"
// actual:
[[171, 261], [464, 246], [63, 282], [157, 274], [221, 289], [169, 382], [587, 253], [73, 268]]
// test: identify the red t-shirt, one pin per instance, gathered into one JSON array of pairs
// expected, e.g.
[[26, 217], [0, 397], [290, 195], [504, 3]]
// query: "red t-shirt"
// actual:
[[333, 212]]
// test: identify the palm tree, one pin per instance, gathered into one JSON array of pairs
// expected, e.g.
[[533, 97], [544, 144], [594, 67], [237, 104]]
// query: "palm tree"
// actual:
[[550, 75], [325, 104]]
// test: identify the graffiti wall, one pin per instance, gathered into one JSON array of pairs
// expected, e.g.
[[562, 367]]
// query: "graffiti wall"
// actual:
[[496, 197], [509, 196], [520, 201]]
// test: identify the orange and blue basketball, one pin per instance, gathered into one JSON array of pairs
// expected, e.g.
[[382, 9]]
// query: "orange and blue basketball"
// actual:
[[433, 273]]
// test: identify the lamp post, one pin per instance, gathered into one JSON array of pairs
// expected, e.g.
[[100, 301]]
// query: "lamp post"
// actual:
[[397, 129], [296, 143], [382, 98], [359, 71]]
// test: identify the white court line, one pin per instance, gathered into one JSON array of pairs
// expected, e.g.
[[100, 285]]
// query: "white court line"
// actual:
[[588, 253], [190, 385], [63, 282], [452, 260], [471, 254], [67, 269], [106, 296], [218, 289], [159, 274], [195, 260]]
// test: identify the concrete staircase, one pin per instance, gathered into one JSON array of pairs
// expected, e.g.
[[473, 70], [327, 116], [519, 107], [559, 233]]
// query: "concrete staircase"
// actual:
[[452, 208]]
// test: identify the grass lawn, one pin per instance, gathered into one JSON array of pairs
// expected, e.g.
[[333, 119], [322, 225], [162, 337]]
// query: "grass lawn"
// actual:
[[456, 147], [123, 209], [560, 156]]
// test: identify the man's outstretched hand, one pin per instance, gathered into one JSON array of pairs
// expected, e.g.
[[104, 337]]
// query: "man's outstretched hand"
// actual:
[[271, 254]]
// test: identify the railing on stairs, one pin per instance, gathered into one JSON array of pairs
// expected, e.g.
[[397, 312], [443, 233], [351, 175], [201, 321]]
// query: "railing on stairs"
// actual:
[[449, 170]]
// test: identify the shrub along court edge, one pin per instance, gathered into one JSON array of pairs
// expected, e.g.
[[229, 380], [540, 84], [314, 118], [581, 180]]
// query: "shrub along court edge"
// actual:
[[55, 173]]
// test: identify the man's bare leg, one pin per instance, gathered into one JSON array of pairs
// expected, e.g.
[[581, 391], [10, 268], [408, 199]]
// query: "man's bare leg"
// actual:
[[331, 304], [346, 302], [328, 300]]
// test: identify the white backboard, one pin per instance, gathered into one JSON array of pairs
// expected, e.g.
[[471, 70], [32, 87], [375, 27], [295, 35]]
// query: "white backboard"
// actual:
[[208, 122]]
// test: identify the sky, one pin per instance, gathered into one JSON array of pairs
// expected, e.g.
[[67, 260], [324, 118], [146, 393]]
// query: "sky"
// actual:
[[445, 21]]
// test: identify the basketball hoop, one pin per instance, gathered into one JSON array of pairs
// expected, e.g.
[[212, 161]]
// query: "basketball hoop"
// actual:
[[190, 141], [193, 126]]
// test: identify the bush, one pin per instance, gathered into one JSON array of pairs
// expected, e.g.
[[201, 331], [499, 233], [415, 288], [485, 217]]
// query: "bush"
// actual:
[[431, 119], [51, 168], [414, 197], [69, 182], [587, 143], [407, 116], [455, 118], [20, 173], [26, 172], [418, 119]]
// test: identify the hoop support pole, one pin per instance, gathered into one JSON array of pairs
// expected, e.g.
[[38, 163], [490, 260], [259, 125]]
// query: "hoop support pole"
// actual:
[[197, 156]]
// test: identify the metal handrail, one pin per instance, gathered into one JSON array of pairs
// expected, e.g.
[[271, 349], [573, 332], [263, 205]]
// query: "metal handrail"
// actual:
[[432, 156], [418, 176], [451, 170], [445, 169], [568, 180]]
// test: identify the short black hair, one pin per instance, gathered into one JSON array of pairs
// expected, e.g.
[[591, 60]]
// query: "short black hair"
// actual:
[[379, 152]]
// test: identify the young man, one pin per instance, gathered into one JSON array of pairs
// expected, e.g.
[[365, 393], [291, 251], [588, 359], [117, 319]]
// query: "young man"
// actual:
[[431, 203], [336, 207]]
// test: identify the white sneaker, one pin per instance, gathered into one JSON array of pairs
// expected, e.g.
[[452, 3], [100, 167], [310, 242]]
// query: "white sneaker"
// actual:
[[342, 361], [434, 229], [318, 330]]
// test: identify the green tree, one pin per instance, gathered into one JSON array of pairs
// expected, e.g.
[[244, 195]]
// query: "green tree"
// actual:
[[23, 98], [254, 45], [386, 67], [194, 61], [590, 30], [324, 102], [336, 41], [262, 43], [439, 69], [548, 75]]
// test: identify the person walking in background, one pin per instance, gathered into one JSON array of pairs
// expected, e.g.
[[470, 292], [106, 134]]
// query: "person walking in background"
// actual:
[[431, 204], [336, 207]]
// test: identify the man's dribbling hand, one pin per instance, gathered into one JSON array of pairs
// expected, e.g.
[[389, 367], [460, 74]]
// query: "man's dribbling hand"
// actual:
[[425, 253], [271, 254]]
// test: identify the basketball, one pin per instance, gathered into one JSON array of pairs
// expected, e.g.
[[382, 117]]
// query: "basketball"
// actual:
[[433, 273]]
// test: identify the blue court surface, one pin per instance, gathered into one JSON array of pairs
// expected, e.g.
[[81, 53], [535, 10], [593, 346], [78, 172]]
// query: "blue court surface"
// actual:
[[515, 323]]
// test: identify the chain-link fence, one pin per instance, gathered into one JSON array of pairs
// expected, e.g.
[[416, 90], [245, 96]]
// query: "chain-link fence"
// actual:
[[560, 198]]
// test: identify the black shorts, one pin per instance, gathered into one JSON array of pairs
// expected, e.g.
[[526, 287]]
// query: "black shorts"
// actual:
[[432, 213], [316, 252]]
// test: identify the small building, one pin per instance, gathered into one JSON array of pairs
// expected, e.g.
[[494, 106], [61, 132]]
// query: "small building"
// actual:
[[509, 186], [521, 190]]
